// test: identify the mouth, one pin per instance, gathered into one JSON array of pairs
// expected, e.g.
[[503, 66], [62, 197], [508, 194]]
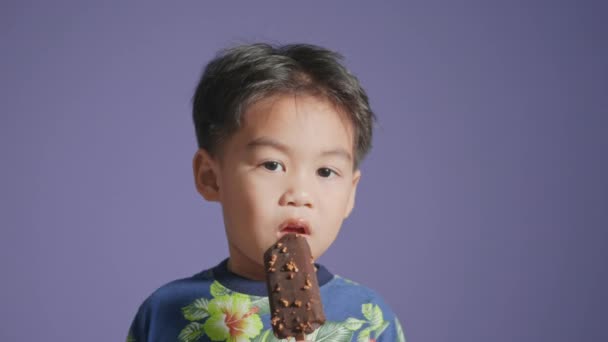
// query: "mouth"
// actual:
[[295, 226]]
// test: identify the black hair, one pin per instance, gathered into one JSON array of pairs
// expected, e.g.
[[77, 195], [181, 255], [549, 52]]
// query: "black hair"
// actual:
[[242, 75]]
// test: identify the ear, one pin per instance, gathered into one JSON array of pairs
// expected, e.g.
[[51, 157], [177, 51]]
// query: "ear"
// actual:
[[353, 192], [206, 175]]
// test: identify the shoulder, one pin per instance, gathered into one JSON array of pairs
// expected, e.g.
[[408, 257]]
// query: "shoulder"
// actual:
[[174, 291], [361, 309], [352, 290], [165, 310]]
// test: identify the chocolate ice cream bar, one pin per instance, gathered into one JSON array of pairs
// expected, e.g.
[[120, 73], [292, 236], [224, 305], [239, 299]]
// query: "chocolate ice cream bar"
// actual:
[[293, 289]]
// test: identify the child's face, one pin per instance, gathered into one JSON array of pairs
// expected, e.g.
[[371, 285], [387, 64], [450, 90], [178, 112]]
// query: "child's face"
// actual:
[[292, 159]]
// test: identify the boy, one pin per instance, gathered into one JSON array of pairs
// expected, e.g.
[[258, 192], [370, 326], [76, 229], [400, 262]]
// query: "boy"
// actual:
[[281, 132]]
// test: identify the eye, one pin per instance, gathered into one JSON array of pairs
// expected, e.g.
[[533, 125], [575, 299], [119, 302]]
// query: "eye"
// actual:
[[325, 172], [273, 166]]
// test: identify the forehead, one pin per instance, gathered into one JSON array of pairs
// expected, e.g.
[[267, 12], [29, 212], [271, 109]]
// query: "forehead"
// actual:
[[299, 120]]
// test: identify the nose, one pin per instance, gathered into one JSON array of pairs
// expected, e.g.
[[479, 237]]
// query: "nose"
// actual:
[[296, 196]]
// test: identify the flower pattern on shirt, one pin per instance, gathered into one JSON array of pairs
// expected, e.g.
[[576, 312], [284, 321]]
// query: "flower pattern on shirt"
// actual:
[[235, 317]]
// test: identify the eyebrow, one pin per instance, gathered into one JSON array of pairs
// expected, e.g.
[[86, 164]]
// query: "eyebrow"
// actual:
[[269, 142]]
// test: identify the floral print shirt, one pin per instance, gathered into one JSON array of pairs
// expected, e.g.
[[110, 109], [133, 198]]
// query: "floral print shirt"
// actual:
[[218, 305]]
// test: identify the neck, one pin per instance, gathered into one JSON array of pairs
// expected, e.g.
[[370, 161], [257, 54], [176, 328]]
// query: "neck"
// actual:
[[243, 266]]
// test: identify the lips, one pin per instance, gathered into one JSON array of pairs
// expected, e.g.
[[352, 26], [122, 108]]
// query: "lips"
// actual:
[[297, 230], [295, 225]]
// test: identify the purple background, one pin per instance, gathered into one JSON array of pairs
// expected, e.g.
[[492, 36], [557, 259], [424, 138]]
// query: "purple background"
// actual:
[[486, 191]]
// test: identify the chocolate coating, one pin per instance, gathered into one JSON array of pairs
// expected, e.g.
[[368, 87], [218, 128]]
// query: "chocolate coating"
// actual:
[[293, 289]]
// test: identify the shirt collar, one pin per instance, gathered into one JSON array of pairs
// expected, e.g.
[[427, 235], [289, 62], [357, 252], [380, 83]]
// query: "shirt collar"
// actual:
[[237, 283]]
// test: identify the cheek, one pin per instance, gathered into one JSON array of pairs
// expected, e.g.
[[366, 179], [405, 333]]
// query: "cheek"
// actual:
[[250, 197], [335, 197]]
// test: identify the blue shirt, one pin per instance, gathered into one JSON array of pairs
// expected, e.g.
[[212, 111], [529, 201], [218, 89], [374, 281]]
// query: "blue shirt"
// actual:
[[218, 305]]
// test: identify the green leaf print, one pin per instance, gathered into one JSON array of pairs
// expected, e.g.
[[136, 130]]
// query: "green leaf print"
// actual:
[[263, 337], [191, 333], [367, 310], [268, 336], [400, 335], [376, 319], [353, 323], [197, 310], [262, 304], [381, 329], [364, 335], [218, 289], [333, 332], [130, 337], [328, 332]]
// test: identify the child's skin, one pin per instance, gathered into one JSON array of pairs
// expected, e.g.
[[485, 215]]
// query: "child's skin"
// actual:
[[292, 158]]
